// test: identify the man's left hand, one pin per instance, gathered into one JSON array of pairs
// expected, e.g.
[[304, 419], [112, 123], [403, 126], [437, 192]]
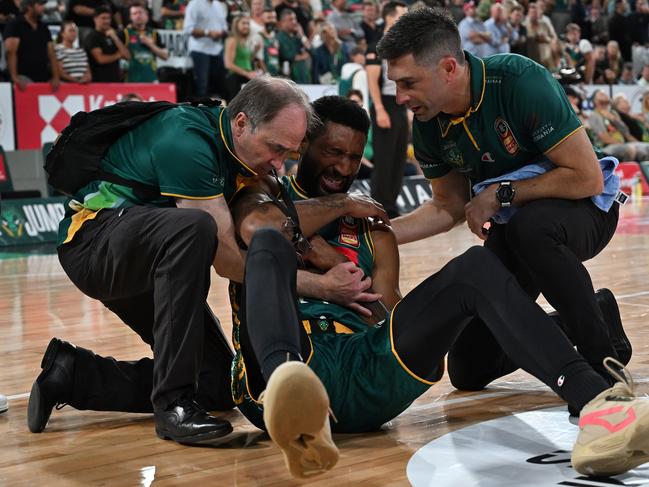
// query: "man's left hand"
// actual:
[[480, 209]]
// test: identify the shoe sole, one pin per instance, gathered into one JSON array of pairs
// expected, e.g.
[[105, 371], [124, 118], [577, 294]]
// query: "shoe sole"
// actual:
[[615, 328], [208, 438], [35, 421], [630, 449], [305, 439]]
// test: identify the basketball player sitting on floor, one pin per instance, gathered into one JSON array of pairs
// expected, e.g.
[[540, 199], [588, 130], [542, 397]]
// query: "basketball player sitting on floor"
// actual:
[[301, 360]]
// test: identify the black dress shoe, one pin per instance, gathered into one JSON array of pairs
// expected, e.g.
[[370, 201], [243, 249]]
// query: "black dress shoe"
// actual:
[[54, 384], [186, 422], [611, 314]]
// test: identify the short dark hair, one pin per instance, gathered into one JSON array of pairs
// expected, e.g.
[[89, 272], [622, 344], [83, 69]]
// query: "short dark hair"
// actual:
[[102, 9], [285, 12], [426, 33], [262, 98], [354, 92], [340, 110], [391, 7]]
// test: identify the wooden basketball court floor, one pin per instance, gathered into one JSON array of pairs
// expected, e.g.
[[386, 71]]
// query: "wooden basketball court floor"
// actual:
[[81, 448]]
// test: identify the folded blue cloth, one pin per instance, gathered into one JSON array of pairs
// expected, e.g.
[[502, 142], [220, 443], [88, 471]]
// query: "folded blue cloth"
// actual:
[[603, 201]]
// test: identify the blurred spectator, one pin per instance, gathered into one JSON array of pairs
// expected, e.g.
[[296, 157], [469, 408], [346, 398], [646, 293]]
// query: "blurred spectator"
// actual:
[[473, 32], [499, 29], [627, 78], [636, 123], [389, 122], [619, 29], [270, 43], [518, 41], [54, 11], [644, 76], [256, 17], [539, 37], [235, 8], [372, 24], [206, 22], [131, 97], [578, 13], [29, 47], [612, 134], [8, 10], [540, 4], [82, 12], [329, 58], [238, 57], [144, 45], [349, 30], [293, 48], [302, 15], [645, 107], [354, 76], [581, 52], [609, 69], [596, 28], [639, 21], [560, 58], [173, 14], [72, 61], [105, 49]]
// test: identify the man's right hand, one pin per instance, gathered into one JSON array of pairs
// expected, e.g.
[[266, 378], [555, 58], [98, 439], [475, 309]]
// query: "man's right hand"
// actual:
[[346, 286], [362, 206], [382, 118]]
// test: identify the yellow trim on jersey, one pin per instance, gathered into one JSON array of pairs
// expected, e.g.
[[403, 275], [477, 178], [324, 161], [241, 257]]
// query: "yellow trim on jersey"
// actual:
[[297, 188], [225, 143], [340, 328], [307, 326], [396, 354], [184, 196], [78, 219], [578, 128]]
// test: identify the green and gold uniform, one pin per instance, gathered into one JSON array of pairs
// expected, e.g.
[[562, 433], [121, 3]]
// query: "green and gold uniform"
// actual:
[[156, 153], [142, 65], [518, 112], [366, 380]]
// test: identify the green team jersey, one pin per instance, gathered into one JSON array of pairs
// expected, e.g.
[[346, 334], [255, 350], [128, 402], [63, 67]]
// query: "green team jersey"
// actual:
[[185, 151], [142, 65], [351, 237], [518, 112]]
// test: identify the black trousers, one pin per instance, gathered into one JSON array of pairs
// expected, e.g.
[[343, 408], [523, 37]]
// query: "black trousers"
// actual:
[[425, 324], [390, 147], [543, 245], [151, 267]]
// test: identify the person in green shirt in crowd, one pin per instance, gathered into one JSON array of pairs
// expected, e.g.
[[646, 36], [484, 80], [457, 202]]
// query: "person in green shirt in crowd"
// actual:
[[173, 14], [293, 48], [270, 56], [238, 56], [480, 119], [144, 45], [147, 258]]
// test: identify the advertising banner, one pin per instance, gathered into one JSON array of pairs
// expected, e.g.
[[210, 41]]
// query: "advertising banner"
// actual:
[[42, 114], [30, 221], [6, 118]]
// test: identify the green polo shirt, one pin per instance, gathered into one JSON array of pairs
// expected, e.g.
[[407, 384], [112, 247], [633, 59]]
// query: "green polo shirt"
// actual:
[[518, 112], [185, 151]]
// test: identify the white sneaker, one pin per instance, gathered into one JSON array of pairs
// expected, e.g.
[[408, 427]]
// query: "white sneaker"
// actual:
[[614, 436], [4, 405]]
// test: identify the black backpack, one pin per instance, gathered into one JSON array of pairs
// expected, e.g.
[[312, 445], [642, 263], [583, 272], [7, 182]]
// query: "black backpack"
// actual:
[[75, 158]]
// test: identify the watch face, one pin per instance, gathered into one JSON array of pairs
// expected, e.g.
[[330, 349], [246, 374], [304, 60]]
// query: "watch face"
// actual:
[[505, 194]]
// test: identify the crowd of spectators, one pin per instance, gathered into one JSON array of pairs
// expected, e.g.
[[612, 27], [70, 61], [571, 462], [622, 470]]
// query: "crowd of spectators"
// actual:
[[330, 42]]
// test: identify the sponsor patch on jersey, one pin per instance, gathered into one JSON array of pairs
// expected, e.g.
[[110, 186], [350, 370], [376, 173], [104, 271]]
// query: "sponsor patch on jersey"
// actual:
[[506, 136], [487, 157], [348, 234]]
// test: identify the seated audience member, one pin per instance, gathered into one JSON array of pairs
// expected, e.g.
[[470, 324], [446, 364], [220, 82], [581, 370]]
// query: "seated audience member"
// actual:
[[29, 47], [644, 76], [328, 59], [638, 127], [72, 61], [612, 134], [609, 69], [627, 78], [293, 48], [143, 45], [238, 57], [105, 49]]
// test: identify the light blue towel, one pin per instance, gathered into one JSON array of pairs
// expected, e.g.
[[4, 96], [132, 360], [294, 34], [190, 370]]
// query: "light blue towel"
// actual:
[[603, 201]]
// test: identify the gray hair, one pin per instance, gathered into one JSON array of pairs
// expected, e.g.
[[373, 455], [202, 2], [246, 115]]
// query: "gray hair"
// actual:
[[263, 97]]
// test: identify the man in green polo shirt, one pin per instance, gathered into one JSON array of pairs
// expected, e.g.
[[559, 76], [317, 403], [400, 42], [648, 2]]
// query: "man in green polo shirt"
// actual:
[[147, 258], [478, 119]]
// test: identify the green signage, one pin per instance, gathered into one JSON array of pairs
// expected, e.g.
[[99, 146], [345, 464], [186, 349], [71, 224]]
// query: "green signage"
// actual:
[[30, 221]]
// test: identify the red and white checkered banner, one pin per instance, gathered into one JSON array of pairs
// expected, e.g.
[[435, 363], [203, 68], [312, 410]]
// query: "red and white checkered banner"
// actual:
[[41, 114]]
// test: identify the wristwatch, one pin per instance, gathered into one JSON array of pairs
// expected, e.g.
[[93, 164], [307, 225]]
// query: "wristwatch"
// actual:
[[505, 194]]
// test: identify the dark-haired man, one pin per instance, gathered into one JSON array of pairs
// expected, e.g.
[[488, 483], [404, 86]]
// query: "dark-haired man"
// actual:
[[366, 373], [486, 125], [147, 258], [29, 47], [105, 49]]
